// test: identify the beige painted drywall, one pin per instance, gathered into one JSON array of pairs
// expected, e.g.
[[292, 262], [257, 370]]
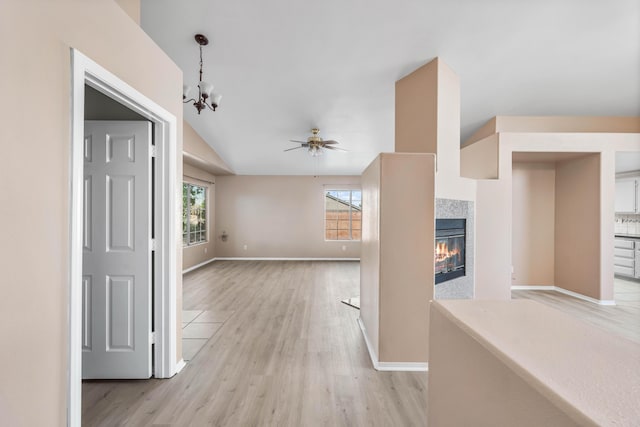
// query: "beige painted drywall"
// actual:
[[396, 269], [34, 291], [203, 252], [533, 238], [132, 8], [416, 111], [556, 124], [277, 217], [406, 255], [370, 254], [428, 121], [493, 205], [200, 154], [577, 218]]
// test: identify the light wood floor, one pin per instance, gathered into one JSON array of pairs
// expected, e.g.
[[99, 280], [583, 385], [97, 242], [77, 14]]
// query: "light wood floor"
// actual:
[[622, 319], [288, 354]]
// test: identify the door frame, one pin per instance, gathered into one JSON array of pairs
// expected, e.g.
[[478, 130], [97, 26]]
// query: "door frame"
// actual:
[[86, 71]]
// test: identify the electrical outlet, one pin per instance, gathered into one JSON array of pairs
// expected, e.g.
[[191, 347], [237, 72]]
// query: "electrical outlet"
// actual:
[[344, 247], [244, 247], [205, 249]]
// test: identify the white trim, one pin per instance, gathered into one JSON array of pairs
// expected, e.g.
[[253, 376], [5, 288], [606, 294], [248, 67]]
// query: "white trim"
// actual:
[[390, 366], [403, 366], [282, 259], [202, 264], [180, 365], [584, 297], [563, 291], [86, 71], [532, 288]]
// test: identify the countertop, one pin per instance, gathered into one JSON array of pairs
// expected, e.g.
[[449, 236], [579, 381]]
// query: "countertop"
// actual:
[[586, 371]]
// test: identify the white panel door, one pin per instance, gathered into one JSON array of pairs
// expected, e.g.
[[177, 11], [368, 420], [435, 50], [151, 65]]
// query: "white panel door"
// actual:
[[116, 265]]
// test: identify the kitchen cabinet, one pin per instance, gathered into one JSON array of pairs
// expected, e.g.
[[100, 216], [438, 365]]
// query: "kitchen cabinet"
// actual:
[[627, 195], [626, 257]]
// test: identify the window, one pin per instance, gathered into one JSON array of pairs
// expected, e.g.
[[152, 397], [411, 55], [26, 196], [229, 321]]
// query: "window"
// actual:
[[342, 214], [194, 214]]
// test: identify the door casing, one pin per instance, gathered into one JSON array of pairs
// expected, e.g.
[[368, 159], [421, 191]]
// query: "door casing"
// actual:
[[86, 71]]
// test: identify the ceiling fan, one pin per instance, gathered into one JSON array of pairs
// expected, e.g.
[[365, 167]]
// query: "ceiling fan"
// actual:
[[315, 144]]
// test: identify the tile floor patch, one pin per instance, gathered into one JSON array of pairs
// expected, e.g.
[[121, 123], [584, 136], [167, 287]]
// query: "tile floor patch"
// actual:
[[215, 316], [189, 315], [191, 347], [200, 330]]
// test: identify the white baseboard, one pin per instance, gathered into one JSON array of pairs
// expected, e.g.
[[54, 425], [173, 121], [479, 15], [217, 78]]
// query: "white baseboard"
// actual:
[[563, 291], [389, 366], [584, 297], [202, 264], [533, 288], [180, 365], [283, 259]]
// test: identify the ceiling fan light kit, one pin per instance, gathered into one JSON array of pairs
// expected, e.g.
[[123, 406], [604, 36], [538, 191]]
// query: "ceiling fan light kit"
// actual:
[[315, 144], [207, 98]]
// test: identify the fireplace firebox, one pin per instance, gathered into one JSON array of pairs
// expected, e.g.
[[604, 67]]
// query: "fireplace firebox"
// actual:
[[450, 249]]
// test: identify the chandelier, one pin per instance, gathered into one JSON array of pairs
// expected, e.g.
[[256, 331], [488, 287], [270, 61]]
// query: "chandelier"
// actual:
[[206, 97]]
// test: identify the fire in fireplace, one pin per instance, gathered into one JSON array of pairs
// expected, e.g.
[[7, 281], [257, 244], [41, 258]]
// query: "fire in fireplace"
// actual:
[[450, 245]]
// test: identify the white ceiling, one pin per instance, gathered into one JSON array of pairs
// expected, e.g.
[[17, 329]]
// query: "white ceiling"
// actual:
[[285, 66]]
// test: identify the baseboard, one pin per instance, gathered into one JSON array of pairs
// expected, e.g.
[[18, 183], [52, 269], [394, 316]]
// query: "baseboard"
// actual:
[[372, 352], [532, 288], [283, 259], [563, 291], [584, 297], [389, 366], [180, 365], [195, 267]]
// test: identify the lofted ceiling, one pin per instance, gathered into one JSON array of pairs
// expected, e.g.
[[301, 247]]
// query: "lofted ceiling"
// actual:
[[285, 66]]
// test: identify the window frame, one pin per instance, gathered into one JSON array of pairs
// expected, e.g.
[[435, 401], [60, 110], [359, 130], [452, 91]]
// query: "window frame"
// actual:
[[188, 212], [328, 189]]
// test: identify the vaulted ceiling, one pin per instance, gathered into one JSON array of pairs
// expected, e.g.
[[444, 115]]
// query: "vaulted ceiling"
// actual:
[[285, 66]]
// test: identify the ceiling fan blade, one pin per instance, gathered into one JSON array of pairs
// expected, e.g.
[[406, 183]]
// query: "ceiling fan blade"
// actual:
[[335, 148], [299, 142], [330, 142], [294, 148]]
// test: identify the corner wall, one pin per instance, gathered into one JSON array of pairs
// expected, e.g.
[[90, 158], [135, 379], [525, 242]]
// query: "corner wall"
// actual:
[[577, 218], [35, 289], [533, 234]]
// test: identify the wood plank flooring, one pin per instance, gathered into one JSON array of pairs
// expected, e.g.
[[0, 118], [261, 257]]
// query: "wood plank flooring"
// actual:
[[622, 319], [289, 354]]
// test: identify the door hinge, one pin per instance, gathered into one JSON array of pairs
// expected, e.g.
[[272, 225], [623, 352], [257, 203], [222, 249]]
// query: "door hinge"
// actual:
[[153, 244], [154, 151], [152, 337]]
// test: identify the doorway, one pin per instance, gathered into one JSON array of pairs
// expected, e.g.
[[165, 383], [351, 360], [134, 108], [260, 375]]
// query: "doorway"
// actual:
[[87, 72]]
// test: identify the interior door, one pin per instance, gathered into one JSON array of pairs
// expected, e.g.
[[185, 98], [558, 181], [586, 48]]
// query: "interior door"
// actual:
[[116, 336]]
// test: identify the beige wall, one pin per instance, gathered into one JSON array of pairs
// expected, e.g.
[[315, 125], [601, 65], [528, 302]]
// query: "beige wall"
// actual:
[[533, 223], [278, 217], [37, 37], [397, 271], [200, 154], [132, 8], [370, 254], [427, 120], [494, 204], [577, 217], [197, 254]]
